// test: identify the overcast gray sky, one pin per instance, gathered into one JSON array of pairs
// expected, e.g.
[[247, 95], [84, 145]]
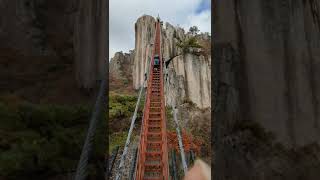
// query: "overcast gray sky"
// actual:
[[124, 13]]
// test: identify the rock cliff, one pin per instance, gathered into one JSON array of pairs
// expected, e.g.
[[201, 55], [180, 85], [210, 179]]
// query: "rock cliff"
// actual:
[[267, 64], [188, 75], [144, 37], [120, 71], [44, 46], [72, 31], [121, 65], [90, 42]]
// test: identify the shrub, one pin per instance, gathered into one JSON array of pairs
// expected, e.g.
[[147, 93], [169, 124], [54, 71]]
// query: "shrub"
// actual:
[[189, 43], [121, 106], [188, 101], [125, 82], [117, 139], [39, 140]]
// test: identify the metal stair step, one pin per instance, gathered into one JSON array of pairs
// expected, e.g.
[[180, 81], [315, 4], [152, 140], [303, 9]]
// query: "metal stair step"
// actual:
[[154, 129], [153, 168], [154, 137]]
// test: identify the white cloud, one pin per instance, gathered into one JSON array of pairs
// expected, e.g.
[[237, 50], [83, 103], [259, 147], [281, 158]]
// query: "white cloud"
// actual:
[[124, 13], [202, 20]]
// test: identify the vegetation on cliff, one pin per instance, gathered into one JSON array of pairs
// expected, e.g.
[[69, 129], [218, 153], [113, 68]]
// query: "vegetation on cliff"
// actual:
[[121, 109], [188, 43]]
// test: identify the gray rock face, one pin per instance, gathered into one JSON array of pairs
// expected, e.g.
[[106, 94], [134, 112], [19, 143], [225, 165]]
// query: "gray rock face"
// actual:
[[144, 39], [189, 78], [74, 29], [35, 27], [279, 48], [120, 66], [267, 60], [189, 75], [90, 41]]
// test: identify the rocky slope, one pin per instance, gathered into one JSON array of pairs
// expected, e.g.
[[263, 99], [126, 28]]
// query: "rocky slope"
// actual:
[[188, 75], [267, 65]]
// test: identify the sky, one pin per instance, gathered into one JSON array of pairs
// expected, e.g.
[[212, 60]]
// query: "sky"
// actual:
[[124, 13]]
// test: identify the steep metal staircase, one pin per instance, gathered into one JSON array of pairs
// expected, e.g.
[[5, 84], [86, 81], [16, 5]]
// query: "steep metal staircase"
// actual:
[[152, 161], [152, 156]]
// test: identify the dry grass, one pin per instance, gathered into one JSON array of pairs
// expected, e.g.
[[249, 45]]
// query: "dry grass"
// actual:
[[206, 46]]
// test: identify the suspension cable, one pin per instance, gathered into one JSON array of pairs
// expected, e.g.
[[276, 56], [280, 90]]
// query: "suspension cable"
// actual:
[[183, 158], [174, 112], [125, 150], [81, 172]]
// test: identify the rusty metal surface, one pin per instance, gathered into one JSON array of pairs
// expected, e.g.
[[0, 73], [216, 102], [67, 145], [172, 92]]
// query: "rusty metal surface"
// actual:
[[153, 151]]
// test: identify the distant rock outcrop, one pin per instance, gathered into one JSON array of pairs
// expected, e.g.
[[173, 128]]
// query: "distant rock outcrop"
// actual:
[[120, 66]]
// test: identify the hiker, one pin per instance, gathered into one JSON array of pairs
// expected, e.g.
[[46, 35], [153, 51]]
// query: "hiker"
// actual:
[[156, 62]]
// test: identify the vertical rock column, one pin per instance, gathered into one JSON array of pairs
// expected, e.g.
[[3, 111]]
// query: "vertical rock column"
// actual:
[[266, 61], [144, 36], [90, 42], [278, 44]]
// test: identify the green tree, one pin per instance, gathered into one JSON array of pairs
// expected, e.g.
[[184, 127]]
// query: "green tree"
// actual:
[[194, 30]]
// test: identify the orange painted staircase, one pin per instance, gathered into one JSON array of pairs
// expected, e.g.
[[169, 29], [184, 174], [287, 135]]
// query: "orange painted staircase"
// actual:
[[152, 162]]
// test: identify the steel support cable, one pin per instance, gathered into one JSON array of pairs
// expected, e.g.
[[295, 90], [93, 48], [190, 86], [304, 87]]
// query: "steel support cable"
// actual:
[[113, 159], [133, 164], [141, 129], [174, 166], [183, 157], [81, 172], [125, 150]]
